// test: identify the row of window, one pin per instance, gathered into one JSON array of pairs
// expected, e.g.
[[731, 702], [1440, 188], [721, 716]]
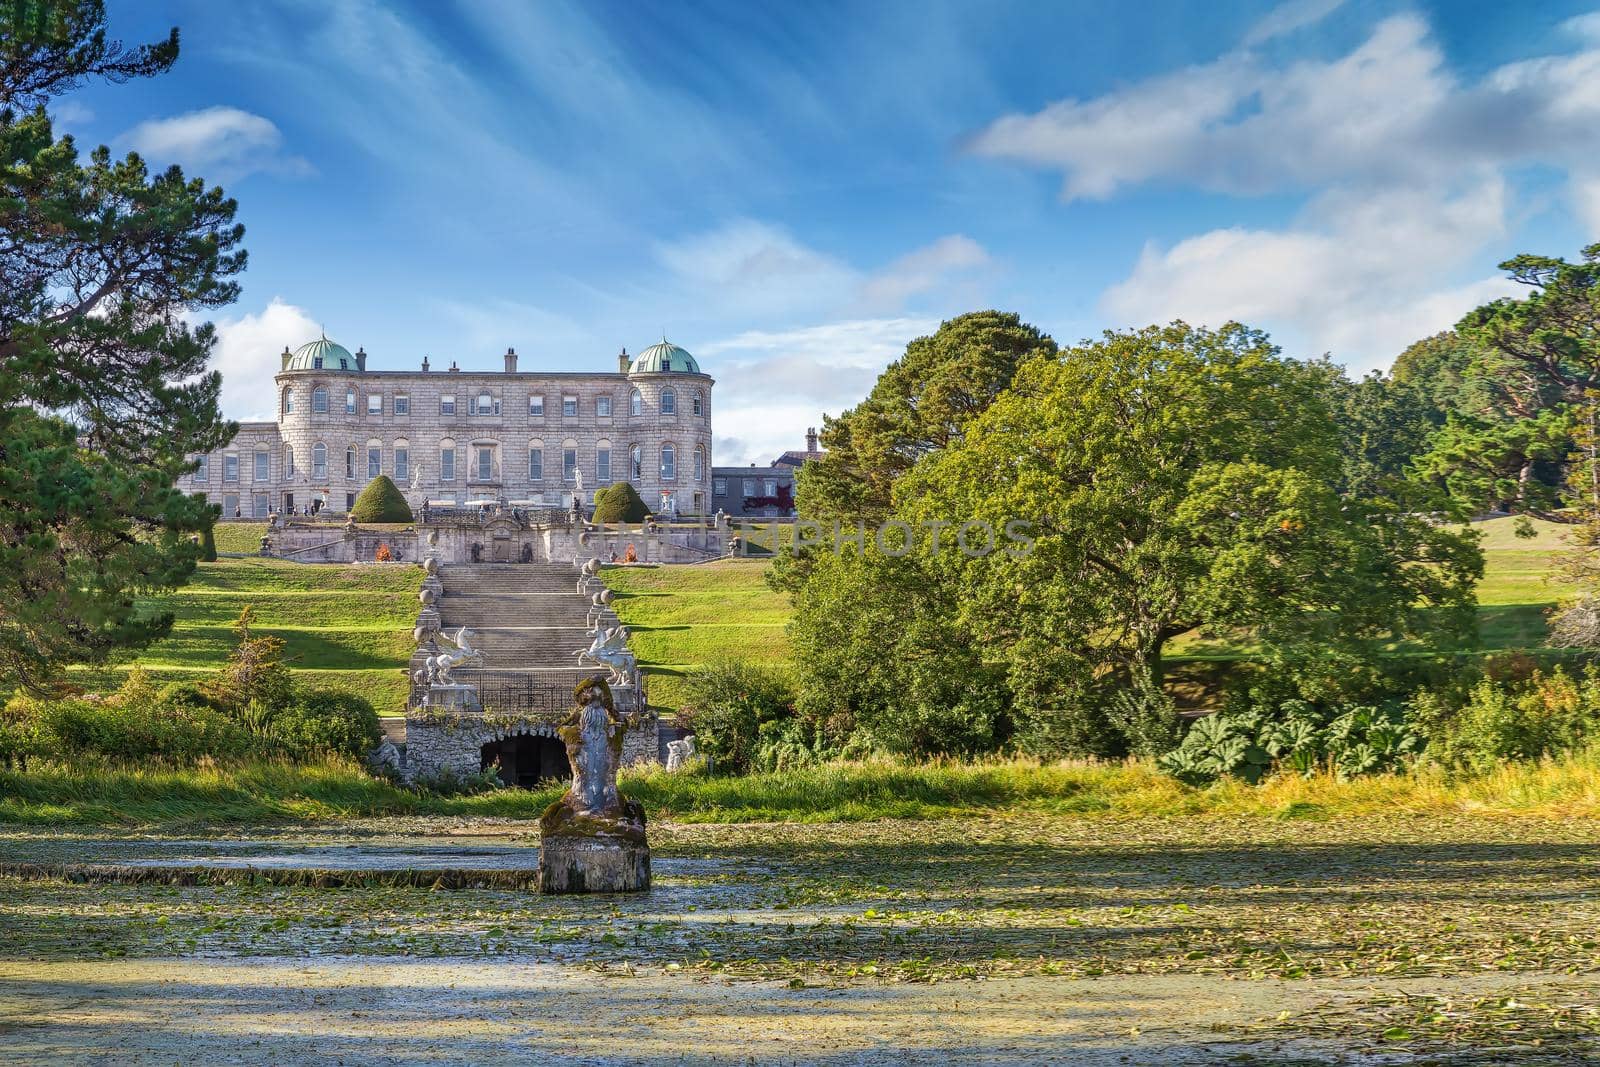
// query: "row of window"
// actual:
[[487, 404], [751, 486], [485, 465]]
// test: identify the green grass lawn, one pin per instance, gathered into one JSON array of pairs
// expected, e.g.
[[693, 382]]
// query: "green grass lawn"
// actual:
[[681, 617], [240, 537], [344, 627]]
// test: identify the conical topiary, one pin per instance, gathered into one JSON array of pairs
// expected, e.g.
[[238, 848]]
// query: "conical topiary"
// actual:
[[619, 503], [381, 501]]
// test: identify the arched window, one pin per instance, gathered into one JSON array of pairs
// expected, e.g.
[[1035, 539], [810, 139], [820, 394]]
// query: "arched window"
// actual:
[[699, 464], [319, 461], [536, 460], [669, 401], [635, 403], [447, 461], [350, 462], [319, 400], [288, 461], [288, 400], [699, 404], [669, 463], [635, 464]]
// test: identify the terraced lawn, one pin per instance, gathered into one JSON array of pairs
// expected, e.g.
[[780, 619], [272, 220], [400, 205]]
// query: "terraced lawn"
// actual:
[[346, 627]]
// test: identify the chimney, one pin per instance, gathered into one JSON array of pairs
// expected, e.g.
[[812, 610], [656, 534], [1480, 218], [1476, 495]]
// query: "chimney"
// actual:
[[811, 439], [424, 364], [286, 357], [511, 360], [361, 359], [453, 368], [623, 362]]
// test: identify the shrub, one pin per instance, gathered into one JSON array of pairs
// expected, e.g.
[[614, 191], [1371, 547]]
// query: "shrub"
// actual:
[[728, 703], [1548, 715], [619, 502], [1249, 742], [255, 674], [326, 721], [74, 728], [381, 501]]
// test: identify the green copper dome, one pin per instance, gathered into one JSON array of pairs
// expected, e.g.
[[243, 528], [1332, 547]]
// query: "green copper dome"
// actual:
[[664, 357], [322, 354]]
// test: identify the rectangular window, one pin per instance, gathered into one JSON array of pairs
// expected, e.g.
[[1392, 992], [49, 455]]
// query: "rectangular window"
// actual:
[[259, 503], [349, 463], [602, 406], [374, 403], [720, 486], [349, 501], [319, 464], [699, 405], [263, 461], [669, 465], [770, 486], [203, 473], [535, 464], [602, 466], [230, 505], [402, 405], [319, 401], [569, 407], [699, 466], [402, 464], [485, 464], [569, 464], [536, 407], [447, 464], [374, 461], [447, 405], [350, 402], [752, 487], [230, 467]]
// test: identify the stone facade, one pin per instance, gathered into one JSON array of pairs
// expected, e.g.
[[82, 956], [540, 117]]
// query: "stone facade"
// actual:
[[439, 746], [453, 436]]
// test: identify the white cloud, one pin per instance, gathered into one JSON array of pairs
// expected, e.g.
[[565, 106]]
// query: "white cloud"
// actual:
[[753, 267], [1356, 276], [1287, 18], [219, 143], [70, 113], [1389, 110], [1586, 203], [924, 270], [247, 353], [1584, 27], [771, 385]]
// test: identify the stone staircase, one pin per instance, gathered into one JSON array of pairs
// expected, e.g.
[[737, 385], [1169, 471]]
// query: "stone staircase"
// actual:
[[527, 618]]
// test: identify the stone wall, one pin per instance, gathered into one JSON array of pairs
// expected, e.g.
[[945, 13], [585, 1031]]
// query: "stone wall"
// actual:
[[453, 745]]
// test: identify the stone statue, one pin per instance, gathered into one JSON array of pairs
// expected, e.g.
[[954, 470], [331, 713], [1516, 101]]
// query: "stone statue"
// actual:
[[609, 649], [593, 840], [679, 752], [438, 667]]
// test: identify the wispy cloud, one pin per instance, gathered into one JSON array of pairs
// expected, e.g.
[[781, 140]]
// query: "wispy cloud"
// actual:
[[924, 270], [220, 143], [1289, 18]]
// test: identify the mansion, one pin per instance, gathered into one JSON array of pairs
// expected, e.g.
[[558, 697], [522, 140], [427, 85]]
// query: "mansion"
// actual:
[[457, 437]]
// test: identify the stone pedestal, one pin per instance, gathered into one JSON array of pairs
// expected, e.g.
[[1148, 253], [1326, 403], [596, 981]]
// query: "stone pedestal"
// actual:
[[452, 696], [589, 854]]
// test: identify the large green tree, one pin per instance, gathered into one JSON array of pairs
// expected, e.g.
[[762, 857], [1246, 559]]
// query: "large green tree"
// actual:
[[1176, 479], [918, 405], [104, 392]]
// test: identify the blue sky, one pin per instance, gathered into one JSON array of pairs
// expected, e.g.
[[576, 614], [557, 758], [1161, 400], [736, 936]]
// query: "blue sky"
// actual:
[[794, 191]]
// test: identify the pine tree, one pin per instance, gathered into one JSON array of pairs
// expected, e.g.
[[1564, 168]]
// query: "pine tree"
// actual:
[[105, 392]]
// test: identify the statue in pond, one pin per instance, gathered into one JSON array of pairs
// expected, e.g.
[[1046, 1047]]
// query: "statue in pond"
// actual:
[[593, 839]]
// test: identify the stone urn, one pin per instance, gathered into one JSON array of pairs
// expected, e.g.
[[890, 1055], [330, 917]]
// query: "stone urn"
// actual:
[[593, 840]]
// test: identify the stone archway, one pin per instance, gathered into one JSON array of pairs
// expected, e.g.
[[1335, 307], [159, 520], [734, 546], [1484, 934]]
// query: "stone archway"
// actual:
[[525, 760]]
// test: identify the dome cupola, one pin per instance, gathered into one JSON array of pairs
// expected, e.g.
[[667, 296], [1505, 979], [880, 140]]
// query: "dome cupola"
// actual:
[[322, 354], [663, 358]]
